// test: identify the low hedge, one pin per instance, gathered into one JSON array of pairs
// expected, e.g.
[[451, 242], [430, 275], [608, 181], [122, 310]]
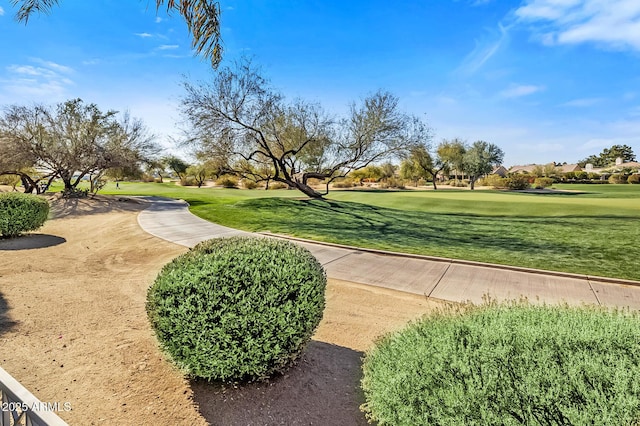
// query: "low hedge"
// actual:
[[508, 365], [237, 309], [21, 213]]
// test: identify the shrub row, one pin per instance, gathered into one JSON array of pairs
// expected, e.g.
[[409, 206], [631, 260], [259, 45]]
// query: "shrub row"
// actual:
[[21, 213], [237, 309], [508, 365]]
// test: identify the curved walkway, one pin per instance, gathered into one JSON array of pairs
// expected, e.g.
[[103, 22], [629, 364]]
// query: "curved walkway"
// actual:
[[446, 279]]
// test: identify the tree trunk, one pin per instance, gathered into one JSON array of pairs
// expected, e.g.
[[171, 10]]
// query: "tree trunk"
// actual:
[[434, 184], [303, 187], [472, 181]]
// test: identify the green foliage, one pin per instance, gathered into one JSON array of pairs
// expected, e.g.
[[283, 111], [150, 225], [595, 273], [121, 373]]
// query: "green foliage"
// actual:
[[635, 179], [580, 175], [11, 180], [617, 178], [569, 175], [517, 182], [227, 181], [21, 213], [593, 176], [509, 365], [238, 308], [494, 181], [343, 183], [542, 182], [608, 156]]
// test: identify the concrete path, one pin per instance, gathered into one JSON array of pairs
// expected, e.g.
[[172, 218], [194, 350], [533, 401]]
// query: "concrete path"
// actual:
[[445, 279]]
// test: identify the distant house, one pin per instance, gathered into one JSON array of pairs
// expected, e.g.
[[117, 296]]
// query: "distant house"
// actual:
[[529, 168], [522, 169], [500, 171], [618, 167], [566, 168]]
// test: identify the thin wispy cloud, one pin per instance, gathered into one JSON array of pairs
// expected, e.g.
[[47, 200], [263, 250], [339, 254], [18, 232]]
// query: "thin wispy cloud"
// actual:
[[484, 51], [519, 90], [158, 19], [1, 11], [168, 47], [580, 103], [47, 79], [144, 35], [613, 24]]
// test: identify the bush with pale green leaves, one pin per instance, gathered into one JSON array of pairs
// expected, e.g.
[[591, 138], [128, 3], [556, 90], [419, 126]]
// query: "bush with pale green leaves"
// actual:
[[21, 213], [508, 364], [237, 309]]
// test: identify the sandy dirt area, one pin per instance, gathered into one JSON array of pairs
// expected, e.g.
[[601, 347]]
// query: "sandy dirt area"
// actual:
[[73, 329]]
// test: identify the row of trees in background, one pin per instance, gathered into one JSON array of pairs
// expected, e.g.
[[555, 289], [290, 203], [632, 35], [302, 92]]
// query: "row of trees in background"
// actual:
[[238, 125], [475, 160]]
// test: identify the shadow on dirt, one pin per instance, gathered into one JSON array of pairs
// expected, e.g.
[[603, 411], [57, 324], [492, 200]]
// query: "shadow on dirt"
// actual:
[[30, 241], [323, 388], [6, 323]]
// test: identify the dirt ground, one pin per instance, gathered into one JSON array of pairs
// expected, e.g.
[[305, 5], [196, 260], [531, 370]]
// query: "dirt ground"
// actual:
[[73, 329]]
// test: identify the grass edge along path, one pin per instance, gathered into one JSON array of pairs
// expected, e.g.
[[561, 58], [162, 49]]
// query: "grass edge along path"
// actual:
[[587, 234]]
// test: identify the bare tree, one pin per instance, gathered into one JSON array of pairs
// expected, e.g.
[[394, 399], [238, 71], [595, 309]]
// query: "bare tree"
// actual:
[[72, 141], [238, 117]]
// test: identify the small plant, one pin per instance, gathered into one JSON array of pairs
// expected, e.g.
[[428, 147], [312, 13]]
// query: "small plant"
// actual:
[[617, 178], [508, 364], [188, 181], [75, 192], [517, 182], [494, 181], [249, 184], [227, 181], [21, 213], [541, 183], [634, 179], [237, 309], [278, 185]]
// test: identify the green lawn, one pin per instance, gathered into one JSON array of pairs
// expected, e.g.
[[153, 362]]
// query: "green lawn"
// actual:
[[592, 232]]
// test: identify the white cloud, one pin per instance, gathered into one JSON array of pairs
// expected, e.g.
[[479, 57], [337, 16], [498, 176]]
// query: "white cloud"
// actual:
[[168, 47], [158, 19], [608, 23], [1, 11], [583, 102], [484, 51], [143, 35], [28, 82], [516, 91]]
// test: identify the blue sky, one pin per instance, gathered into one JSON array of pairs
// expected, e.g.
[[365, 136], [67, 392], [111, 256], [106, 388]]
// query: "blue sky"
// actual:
[[546, 80]]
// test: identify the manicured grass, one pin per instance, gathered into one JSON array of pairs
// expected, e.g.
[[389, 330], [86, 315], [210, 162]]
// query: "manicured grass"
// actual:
[[594, 232]]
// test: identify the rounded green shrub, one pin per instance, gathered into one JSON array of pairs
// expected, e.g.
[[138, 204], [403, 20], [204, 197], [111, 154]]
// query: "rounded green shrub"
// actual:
[[508, 365], [237, 309], [21, 213]]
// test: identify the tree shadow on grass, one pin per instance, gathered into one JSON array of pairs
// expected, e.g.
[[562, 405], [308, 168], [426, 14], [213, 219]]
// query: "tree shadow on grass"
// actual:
[[323, 388]]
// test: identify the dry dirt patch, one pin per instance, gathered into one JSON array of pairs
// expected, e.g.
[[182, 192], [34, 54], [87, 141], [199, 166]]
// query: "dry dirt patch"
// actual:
[[73, 328]]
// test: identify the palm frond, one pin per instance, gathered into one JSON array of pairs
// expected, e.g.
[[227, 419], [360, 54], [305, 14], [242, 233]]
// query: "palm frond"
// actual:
[[28, 7], [202, 18]]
